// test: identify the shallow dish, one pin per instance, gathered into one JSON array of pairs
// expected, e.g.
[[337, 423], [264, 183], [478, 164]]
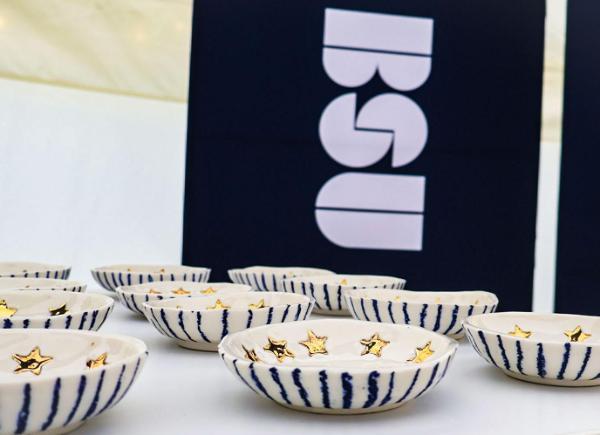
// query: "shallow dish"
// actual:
[[134, 296], [327, 290], [53, 381], [12, 269], [201, 323], [338, 366], [53, 310], [111, 277], [41, 284], [556, 349], [441, 312], [265, 278]]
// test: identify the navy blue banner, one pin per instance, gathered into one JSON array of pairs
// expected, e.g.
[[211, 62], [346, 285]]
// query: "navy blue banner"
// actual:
[[368, 136]]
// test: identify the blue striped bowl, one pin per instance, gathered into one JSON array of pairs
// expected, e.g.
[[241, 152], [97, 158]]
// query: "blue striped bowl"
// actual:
[[133, 297], [42, 284], [85, 311], [547, 356], [66, 393], [327, 291], [111, 277], [13, 269], [342, 381], [265, 278], [195, 326], [441, 312]]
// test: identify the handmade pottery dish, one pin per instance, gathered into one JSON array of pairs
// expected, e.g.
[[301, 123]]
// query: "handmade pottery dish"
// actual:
[[11, 269], [265, 278], [338, 366], [53, 310], [327, 290], [201, 323], [42, 284], [111, 277], [135, 295], [556, 349], [441, 312], [51, 382]]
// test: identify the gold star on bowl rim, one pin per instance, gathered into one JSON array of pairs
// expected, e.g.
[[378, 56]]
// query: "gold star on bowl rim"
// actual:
[[219, 305], [97, 362], [5, 310], [577, 335], [315, 344], [58, 311], [279, 349], [373, 345], [33, 362], [422, 353]]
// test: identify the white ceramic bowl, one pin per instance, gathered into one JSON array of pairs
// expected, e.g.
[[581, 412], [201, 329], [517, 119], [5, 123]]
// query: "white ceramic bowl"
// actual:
[[545, 348], [201, 323], [265, 278], [134, 296], [11, 269], [41, 284], [66, 392], [111, 277], [53, 310], [441, 312], [327, 291], [348, 379]]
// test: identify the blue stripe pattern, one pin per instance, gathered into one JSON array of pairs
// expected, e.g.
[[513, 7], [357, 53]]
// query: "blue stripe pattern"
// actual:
[[69, 321], [110, 280]]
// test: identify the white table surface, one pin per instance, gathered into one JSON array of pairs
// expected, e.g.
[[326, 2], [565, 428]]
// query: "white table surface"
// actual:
[[187, 392]]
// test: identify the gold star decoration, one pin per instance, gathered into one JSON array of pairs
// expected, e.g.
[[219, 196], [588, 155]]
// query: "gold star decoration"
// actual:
[[437, 300], [373, 345], [219, 305], [98, 362], [32, 362], [59, 310], [250, 354], [577, 335], [153, 292], [397, 299], [344, 282], [259, 304], [162, 270], [208, 291], [5, 310], [314, 344], [279, 349], [422, 353], [518, 332], [181, 291]]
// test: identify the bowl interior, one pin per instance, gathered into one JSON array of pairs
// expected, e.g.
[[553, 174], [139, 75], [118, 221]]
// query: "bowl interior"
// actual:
[[343, 343], [70, 351], [543, 327], [8, 267], [147, 268], [287, 271], [39, 303], [233, 301], [174, 288], [37, 283], [461, 298], [349, 280]]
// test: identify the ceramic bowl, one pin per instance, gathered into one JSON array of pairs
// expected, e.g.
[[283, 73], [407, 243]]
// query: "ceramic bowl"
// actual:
[[111, 277], [53, 310], [134, 296], [52, 381], [327, 290], [42, 284], [441, 312], [338, 366], [264, 278], [201, 323], [556, 349], [33, 270]]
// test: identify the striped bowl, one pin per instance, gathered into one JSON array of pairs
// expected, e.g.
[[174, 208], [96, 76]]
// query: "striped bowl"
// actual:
[[66, 392], [111, 277], [135, 295], [33, 270], [201, 323], [42, 284], [327, 290], [265, 278], [84, 311], [344, 380], [545, 349], [441, 312]]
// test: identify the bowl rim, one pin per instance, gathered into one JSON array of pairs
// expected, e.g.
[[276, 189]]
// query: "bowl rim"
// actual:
[[65, 282], [449, 353], [122, 268], [468, 324], [351, 295], [141, 350], [42, 267], [280, 270], [306, 280], [128, 289], [107, 302], [157, 303]]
